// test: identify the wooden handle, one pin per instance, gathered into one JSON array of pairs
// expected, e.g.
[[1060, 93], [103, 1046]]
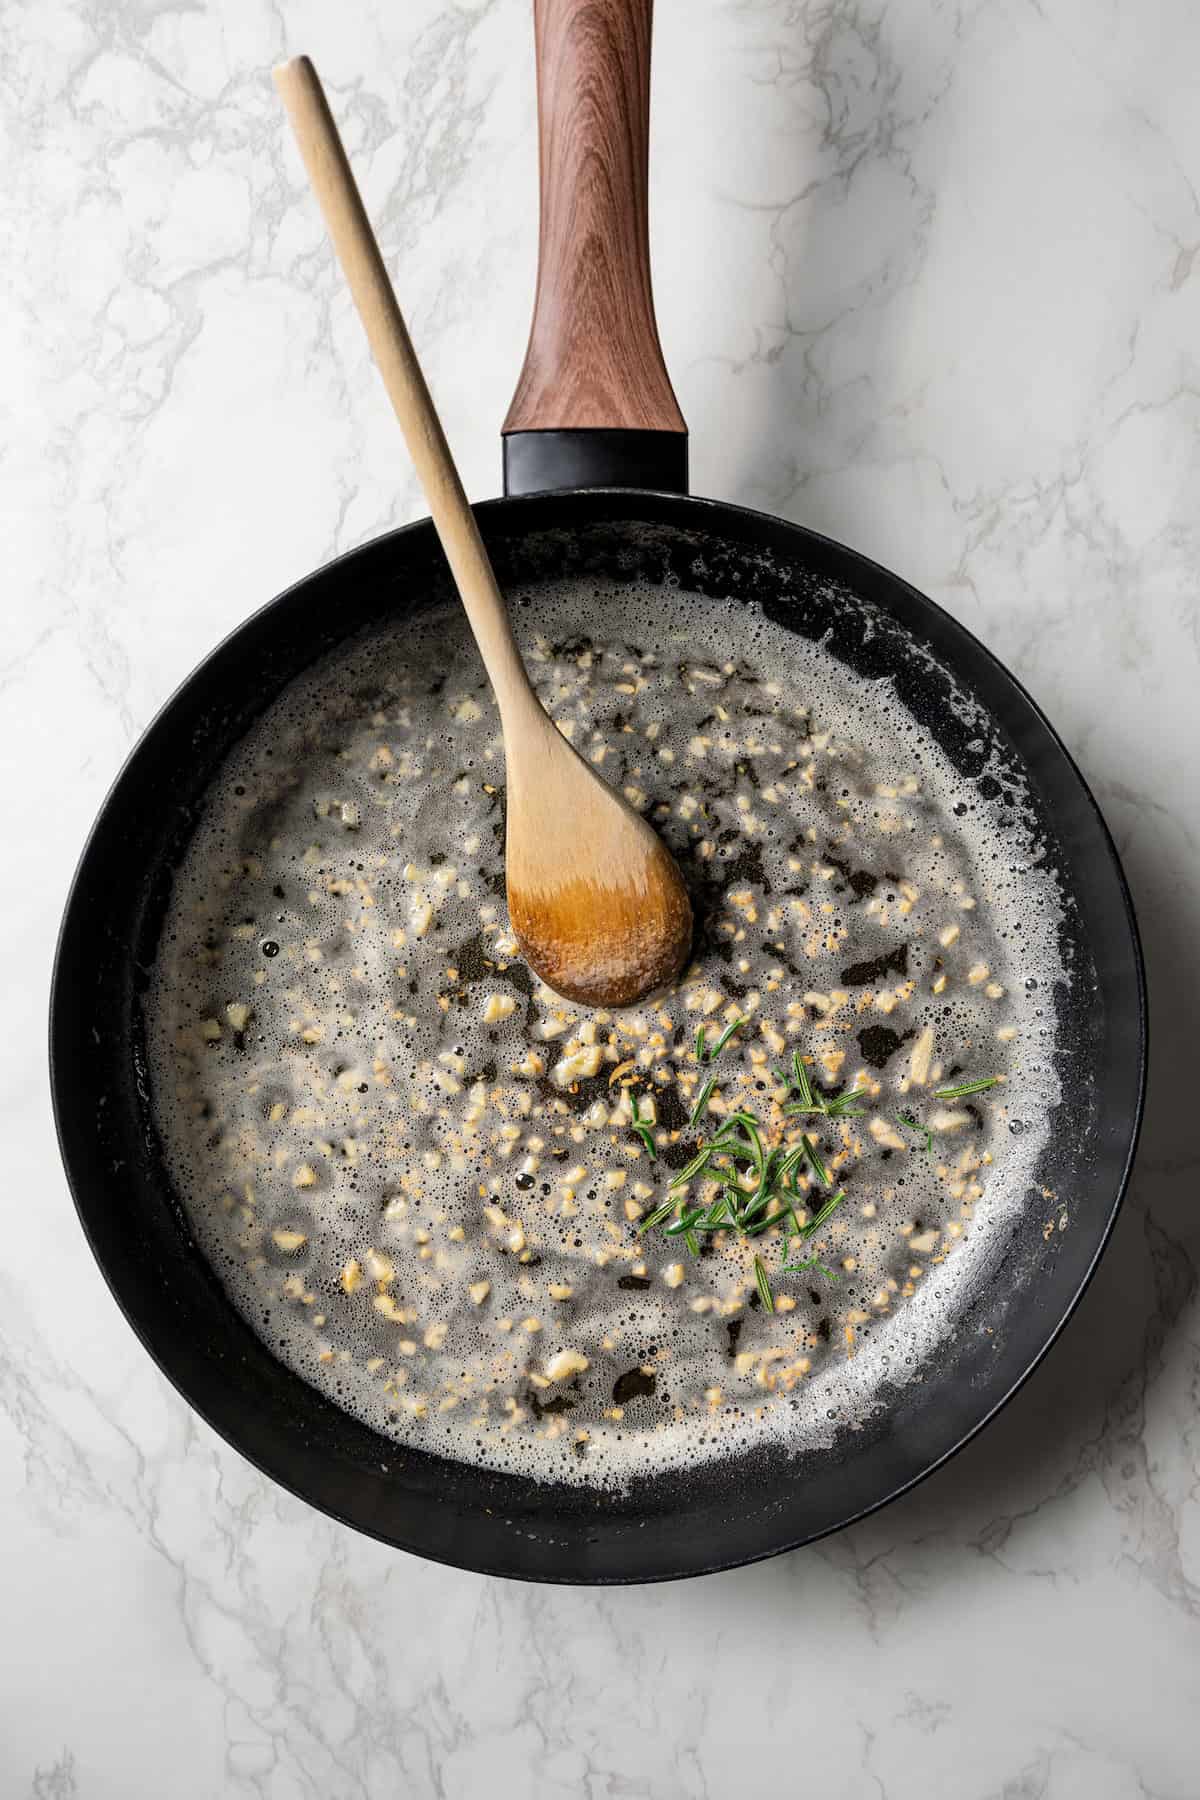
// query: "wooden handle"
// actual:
[[594, 359], [358, 253]]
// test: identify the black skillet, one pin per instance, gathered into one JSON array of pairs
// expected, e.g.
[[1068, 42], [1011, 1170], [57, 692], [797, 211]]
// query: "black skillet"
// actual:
[[594, 415]]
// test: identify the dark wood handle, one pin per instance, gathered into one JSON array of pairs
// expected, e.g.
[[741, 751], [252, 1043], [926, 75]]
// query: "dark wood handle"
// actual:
[[594, 359]]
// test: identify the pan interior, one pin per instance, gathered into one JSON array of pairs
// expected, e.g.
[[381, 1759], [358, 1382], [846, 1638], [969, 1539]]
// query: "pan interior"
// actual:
[[1014, 1307], [410, 1162]]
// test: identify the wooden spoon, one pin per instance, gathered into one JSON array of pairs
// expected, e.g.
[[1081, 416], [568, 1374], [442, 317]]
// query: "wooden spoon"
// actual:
[[594, 897]]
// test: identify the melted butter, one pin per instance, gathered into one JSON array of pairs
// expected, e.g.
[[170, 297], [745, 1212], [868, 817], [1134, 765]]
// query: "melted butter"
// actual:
[[413, 1166]]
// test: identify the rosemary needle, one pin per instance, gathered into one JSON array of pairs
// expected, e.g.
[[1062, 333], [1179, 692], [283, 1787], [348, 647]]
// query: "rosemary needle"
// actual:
[[702, 1100], [843, 1108], [962, 1088], [733, 1025], [813, 1262], [802, 1084], [906, 1118], [642, 1129], [814, 1161], [840, 1107], [700, 1161], [657, 1217], [757, 1189], [830, 1206]]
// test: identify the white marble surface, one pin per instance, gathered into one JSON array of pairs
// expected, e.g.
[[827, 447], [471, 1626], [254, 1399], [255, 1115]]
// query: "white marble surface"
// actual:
[[926, 275]]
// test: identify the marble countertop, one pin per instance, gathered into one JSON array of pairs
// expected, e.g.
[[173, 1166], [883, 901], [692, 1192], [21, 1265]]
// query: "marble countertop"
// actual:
[[927, 281]]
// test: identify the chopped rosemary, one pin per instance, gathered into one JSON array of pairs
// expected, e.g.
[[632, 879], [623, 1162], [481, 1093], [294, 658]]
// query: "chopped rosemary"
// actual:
[[757, 1185], [906, 1118], [642, 1129], [962, 1088], [657, 1217], [749, 1125], [840, 1106], [810, 1230], [954, 1091], [801, 1082], [702, 1100], [758, 1190], [813, 1262], [733, 1025], [830, 1206], [814, 1161], [700, 1161]]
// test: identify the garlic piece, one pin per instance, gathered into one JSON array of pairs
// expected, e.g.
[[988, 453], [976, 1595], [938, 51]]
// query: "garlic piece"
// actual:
[[922, 1055], [885, 1134]]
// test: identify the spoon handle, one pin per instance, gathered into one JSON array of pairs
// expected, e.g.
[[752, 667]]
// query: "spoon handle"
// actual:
[[362, 264]]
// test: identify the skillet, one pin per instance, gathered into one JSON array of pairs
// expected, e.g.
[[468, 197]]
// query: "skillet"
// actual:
[[595, 465]]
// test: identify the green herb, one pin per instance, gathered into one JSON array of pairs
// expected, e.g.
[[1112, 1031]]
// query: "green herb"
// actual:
[[830, 1206], [656, 1217], [843, 1106], [801, 1082], [755, 1217], [740, 1117], [694, 1219], [955, 1091], [840, 1107], [814, 1161], [813, 1262], [718, 1212], [642, 1129], [733, 1025], [906, 1118], [962, 1088], [702, 1100], [804, 1232], [788, 1167], [758, 1189], [750, 1126], [698, 1162]]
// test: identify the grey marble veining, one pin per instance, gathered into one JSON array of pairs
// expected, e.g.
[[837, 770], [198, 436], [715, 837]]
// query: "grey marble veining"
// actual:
[[926, 276]]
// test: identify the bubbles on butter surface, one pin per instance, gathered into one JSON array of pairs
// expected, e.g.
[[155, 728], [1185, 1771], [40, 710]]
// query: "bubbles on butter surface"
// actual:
[[359, 809]]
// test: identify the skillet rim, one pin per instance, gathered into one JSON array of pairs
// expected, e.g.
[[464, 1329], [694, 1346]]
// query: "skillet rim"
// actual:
[[604, 503]]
